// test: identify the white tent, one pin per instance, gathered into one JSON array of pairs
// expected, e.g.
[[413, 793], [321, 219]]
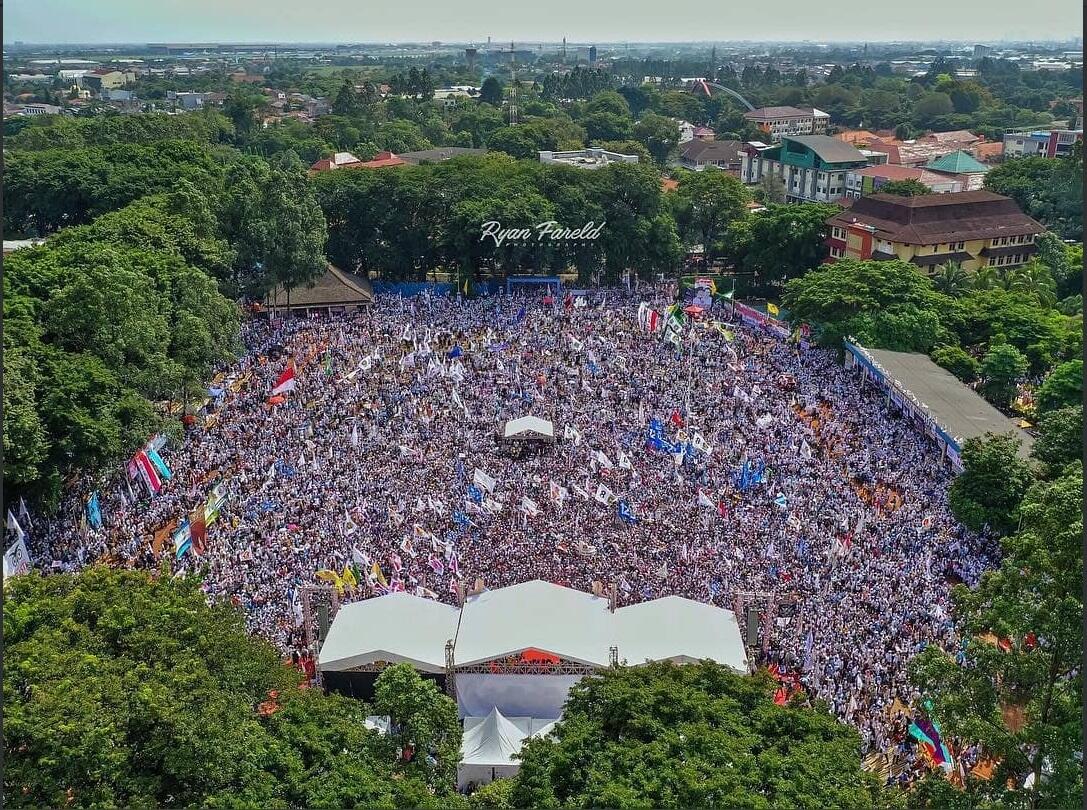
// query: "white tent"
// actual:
[[490, 743], [529, 427]]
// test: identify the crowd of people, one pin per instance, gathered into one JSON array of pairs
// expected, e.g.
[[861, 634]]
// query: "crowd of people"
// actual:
[[724, 464]]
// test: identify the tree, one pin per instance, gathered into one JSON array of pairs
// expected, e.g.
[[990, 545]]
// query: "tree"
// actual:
[[1060, 437], [696, 735], [951, 279], [1001, 370], [931, 108], [660, 135], [771, 189], [1034, 602], [957, 361], [993, 482], [166, 711], [883, 304], [1034, 278], [1048, 189], [424, 719], [905, 188], [786, 242], [708, 202], [491, 91], [1063, 387]]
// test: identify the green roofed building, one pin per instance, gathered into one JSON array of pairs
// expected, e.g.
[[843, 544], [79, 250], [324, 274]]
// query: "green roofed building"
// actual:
[[962, 166], [812, 167]]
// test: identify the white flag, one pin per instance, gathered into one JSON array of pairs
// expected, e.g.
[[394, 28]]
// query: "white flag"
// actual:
[[576, 344], [24, 513], [764, 421], [663, 572], [805, 450], [603, 495], [16, 558], [355, 435], [584, 493], [529, 507], [572, 433], [699, 443], [704, 500], [624, 462], [13, 526], [482, 479], [603, 460]]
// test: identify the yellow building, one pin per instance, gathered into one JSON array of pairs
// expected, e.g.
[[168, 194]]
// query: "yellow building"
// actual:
[[973, 228]]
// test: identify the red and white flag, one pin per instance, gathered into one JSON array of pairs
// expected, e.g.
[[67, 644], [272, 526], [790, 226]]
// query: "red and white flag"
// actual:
[[285, 381]]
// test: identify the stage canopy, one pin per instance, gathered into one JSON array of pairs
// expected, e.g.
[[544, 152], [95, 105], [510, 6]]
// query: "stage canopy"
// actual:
[[395, 627], [529, 427]]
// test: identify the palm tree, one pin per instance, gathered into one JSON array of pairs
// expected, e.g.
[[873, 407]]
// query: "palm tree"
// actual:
[[951, 279], [1034, 278], [991, 278]]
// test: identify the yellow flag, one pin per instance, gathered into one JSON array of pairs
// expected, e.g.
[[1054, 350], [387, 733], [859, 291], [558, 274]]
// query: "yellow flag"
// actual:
[[348, 577], [773, 310], [331, 576], [380, 577]]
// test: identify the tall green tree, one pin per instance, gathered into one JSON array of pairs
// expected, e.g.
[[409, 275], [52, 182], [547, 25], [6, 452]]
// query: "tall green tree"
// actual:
[[660, 135], [905, 188], [697, 735], [1063, 387], [992, 484], [1022, 702], [124, 689], [1060, 437], [707, 202], [1002, 368], [786, 242]]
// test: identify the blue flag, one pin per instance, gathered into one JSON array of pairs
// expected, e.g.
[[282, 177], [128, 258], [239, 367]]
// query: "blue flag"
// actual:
[[780, 501], [461, 519], [160, 465], [456, 351], [475, 493], [94, 511], [656, 429], [625, 512], [520, 315], [459, 468]]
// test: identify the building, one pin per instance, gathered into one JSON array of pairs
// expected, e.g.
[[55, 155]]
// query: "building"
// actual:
[[592, 56], [698, 154], [704, 134], [869, 180], [105, 79], [812, 167], [963, 167], [920, 151], [521, 648], [778, 122], [1043, 143], [592, 158], [335, 292], [982, 51], [345, 160], [686, 130], [973, 228], [41, 109], [337, 161], [439, 154], [936, 403]]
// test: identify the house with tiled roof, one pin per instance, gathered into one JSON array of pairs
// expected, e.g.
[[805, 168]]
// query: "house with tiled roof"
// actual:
[[869, 180], [698, 155], [962, 166], [972, 228]]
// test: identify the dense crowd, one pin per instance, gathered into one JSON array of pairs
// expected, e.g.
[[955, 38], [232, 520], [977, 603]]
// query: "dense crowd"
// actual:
[[733, 463]]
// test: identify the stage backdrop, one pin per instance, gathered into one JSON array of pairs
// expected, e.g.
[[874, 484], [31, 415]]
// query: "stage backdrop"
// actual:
[[539, 696]]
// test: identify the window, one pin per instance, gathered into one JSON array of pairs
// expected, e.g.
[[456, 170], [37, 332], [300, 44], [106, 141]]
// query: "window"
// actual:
[[960, 245], [992, 262]]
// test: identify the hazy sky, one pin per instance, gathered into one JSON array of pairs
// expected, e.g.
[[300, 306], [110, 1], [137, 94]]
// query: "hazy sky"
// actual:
[[95, 21]]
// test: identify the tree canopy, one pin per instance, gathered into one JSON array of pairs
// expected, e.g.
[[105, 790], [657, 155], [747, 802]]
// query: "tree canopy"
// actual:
[[697, 735], [123, 689]]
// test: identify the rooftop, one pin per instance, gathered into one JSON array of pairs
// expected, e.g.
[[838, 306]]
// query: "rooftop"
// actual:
[[957, 408], [829, 149], [781, 112], [335, 288], [439, 154], [937, 218], [712, 150], [958, 162]]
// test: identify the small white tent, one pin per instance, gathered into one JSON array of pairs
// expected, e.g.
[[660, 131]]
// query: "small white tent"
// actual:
[[489, 744], [529, 427]]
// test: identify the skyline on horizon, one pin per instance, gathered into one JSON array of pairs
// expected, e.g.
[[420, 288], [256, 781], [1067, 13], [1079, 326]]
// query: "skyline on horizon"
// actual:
[[331, 22]]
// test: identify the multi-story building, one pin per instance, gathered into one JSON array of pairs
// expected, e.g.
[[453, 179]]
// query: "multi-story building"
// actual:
[[778, 122], [812, 167], [108, 79], [1044, 143], [973, 228]]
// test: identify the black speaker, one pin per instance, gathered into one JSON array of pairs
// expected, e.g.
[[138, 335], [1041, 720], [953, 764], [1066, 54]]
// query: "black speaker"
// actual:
[[322, 621], [752, 625]]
